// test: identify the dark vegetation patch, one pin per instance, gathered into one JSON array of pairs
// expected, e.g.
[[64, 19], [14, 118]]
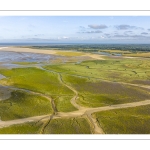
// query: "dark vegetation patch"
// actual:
[[100, 93]]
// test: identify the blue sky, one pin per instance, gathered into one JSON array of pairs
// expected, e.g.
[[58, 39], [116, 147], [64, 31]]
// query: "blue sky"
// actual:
[[75, 29]]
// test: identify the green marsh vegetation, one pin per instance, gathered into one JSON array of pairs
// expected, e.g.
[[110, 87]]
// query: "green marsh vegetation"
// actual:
[[98, 83], [34, 79], [69, 53], [97, 93], [68, 126], [111, 69], [40, 81], [134, 120], [91, 80], [63, 103], [25, 128], [56, 126], [24, 105]]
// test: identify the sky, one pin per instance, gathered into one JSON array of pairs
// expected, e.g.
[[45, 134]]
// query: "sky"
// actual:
[[75, 29]]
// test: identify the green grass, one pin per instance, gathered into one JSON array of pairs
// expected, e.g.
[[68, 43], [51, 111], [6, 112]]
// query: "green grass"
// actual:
[[138, 54], [134, 120], [34, 79], [68, 126], [25, 128], [23, 105], [63, 53], [112, 69], [56, 126], [99, 93], [63, 104]]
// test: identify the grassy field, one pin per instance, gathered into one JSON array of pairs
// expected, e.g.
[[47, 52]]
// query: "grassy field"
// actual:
[[25, 128], [63, 104], [116, 51], [134, 120], [67, 53], [68, 126], [34, 79], [139, 54], [23, 105], [112, 69], [101, 93], [56, 126]]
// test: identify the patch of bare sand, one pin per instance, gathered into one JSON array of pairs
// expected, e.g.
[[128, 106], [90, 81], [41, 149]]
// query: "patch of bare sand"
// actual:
[[95, 56]]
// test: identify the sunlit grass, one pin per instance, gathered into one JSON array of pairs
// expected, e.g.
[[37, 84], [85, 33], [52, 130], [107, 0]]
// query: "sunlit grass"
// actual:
[[24, 105], [34, 79], [134, 120]]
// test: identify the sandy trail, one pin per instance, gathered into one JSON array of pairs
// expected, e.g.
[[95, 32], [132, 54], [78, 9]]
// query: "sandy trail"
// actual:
[[118, 106], [73, 100], [20, 121], [94, 125]]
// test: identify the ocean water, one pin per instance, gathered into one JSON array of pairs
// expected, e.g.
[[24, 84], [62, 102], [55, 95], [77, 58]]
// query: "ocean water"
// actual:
[[35, 44]]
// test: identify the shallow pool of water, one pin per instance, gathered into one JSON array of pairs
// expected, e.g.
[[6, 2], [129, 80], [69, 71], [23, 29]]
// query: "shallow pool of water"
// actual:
[[23, 57], [108, 54]]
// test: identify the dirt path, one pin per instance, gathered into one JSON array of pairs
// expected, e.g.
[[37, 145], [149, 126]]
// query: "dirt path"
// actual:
[[95, 128], [20, 121], [73, 100], [46, 124]]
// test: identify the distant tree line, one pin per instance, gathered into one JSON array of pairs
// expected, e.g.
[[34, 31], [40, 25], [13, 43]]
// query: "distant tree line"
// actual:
[[97, 47]]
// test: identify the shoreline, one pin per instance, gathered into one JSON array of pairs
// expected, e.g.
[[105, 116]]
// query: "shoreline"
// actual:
[[37, 51]]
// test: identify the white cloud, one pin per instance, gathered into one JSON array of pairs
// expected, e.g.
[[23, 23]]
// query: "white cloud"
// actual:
[[65, 37]]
